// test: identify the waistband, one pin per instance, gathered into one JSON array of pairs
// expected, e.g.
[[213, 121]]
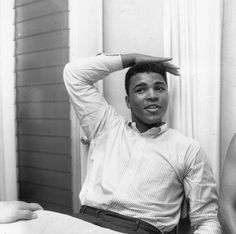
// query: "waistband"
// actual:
[[118, 222]]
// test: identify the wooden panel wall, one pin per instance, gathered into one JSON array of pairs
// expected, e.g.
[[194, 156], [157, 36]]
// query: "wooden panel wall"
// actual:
[[43, 109]]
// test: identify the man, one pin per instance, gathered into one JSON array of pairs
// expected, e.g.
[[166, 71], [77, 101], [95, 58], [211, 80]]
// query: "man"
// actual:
[[139, 171], [11, 211], [228, 190]]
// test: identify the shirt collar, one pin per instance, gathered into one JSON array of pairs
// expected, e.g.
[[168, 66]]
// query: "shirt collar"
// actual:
[[152, 132]]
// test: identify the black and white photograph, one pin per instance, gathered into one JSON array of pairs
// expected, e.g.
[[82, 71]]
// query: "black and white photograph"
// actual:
[[117, 116]]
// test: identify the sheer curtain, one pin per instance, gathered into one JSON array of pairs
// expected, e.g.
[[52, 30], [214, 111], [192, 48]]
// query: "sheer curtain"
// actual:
[[2, 171], [85, 40], [192, 36], [8, 184]]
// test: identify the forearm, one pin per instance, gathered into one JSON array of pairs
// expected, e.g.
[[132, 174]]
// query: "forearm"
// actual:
[[91, 69], [129, 59], [107, 64]]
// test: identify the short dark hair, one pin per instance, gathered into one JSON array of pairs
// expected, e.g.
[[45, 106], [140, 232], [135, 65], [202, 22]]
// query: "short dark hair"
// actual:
[[144, 67]]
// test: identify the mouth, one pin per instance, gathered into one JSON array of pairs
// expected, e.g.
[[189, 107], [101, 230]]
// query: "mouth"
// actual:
[[153, 107]]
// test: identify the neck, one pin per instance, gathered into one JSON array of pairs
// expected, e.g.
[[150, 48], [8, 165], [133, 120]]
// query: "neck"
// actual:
[[145, 127]]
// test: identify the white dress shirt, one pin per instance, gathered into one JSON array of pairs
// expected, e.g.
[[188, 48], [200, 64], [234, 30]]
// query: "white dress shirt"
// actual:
[[142, 175]]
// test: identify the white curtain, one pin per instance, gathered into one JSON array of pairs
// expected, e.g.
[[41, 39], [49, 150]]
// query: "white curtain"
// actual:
[[192, 36], [85, 20], [2, 171], [8, 186]]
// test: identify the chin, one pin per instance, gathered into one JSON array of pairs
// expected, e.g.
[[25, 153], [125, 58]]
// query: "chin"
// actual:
[[154, 123]]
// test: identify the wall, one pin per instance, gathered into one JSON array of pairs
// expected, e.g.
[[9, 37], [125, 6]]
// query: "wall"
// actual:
[[85, 39], [228, 82], [43, 108], [127, 29]]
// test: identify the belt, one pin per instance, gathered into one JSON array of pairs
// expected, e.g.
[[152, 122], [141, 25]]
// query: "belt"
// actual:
[[118, 222]]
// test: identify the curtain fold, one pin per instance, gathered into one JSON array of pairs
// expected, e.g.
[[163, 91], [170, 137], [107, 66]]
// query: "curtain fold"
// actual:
[[192, 37], [86, 39], [8, 180], [2, 162]]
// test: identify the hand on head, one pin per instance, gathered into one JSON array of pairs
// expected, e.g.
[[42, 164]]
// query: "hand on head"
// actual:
[[11, 211], [169, 67]]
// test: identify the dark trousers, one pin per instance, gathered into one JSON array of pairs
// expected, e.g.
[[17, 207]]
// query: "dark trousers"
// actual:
[[117, 222]]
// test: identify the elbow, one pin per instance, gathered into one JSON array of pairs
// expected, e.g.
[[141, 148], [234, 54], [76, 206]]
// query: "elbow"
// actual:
[[66, 72], [66, 67]]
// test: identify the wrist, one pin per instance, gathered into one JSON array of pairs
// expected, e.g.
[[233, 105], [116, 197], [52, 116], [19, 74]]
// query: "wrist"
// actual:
[[128, 59]]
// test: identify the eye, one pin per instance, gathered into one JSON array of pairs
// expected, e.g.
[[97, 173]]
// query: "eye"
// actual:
[[160, 89], [140, 90]]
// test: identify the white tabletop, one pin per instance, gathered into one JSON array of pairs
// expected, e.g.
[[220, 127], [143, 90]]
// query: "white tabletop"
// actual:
[[49, 222]]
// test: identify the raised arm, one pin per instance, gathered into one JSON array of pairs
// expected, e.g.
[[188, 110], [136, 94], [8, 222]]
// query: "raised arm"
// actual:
[[94, 113], [228, 190]]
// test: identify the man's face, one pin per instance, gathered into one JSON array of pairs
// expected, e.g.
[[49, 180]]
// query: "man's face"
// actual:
[[148, 99]]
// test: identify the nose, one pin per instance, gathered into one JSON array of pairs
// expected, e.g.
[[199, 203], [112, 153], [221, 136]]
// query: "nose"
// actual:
[[152, 95]]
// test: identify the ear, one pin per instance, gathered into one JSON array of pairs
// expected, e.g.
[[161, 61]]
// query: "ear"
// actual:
[[127, 102]]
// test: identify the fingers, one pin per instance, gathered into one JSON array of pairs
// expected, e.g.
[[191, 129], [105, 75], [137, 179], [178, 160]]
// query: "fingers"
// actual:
[[25, 214], [11, 211], [162, 59], [170, 65], [173, 71], [171, 68], [25, 211], [28, 206], [35, 206], [147, 58]]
